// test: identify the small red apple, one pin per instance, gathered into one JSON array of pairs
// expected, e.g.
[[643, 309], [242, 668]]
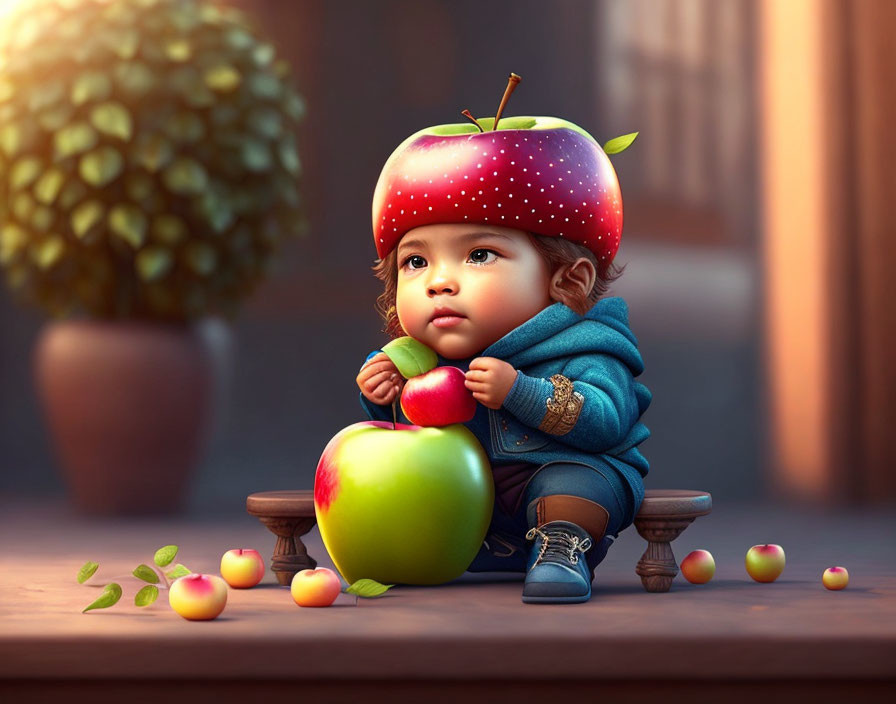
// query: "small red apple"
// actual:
[[242, 568], [438, 397], [835, 578], [198, 597], [698, 567], [765, 563], [317, 587]]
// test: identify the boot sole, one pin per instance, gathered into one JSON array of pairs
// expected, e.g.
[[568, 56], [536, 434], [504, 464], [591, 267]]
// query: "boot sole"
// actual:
[[556, 599]]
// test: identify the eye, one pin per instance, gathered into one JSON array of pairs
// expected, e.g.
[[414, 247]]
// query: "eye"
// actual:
[[483, 256], [415, 261]]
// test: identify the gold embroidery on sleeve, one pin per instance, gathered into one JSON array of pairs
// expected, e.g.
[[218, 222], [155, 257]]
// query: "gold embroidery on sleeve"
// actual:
[[563, 407]]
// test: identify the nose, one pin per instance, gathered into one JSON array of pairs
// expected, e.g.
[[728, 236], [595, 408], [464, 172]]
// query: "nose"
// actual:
[[442, 281]]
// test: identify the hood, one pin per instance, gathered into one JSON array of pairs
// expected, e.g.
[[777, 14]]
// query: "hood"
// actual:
[[559, 332]]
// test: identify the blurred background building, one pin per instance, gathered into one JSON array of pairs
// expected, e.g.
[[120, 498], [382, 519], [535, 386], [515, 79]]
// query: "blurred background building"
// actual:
[[757, 241]]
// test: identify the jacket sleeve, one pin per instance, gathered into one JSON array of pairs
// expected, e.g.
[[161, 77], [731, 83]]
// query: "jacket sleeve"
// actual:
[[608, 402]]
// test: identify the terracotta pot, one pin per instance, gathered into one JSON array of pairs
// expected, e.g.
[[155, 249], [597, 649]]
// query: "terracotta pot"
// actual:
[[129, 407]]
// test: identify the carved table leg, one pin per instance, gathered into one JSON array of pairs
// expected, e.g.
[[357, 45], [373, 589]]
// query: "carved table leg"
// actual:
[[290, 555], [657, 566]]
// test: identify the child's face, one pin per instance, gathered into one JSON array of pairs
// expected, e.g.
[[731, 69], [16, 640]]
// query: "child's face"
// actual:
[[463, 287]]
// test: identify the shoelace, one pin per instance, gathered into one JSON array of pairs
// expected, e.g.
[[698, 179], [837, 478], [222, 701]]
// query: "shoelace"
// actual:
[[558, 543]]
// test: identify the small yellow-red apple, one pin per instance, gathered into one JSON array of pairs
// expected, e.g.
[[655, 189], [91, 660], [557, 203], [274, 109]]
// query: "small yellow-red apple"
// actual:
[[318, 587], [765, 563], [198, 597], [835, 578], [242, 568], [698, 567]]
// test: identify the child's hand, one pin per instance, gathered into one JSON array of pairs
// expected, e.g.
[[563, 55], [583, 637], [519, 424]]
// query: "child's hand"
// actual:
[[379, 380], [490, 380]]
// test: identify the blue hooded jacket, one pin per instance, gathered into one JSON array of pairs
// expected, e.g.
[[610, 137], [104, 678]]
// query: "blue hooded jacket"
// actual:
[[599, 354]]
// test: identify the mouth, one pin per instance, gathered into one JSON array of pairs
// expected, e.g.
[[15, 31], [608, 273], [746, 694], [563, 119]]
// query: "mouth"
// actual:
[[446, 318]]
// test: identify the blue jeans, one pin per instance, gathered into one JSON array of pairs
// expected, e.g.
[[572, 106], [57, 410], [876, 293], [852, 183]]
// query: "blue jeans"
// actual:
[[506, 548]]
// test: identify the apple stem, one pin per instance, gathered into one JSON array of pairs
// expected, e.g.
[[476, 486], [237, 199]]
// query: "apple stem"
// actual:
[[469, 116], [512, 83], [394, 413]]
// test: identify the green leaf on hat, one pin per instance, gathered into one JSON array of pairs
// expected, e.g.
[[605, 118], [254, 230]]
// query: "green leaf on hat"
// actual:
[[411, 357], [146, 596], [111, 594], [620, 144]]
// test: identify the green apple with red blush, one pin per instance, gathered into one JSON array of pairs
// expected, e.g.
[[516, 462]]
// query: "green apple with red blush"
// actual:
[[403, 504]]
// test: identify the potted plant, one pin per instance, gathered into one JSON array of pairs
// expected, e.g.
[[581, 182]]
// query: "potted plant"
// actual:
[[148, 172]]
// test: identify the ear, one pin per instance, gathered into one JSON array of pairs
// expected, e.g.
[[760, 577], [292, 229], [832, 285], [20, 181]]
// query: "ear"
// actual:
[[572, 279]]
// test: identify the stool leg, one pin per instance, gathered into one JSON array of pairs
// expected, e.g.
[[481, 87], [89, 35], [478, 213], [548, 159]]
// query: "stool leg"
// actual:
[[657, 567], [290, 555]]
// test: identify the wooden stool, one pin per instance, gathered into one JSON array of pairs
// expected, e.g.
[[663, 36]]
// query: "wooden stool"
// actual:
[[664, 514], [289, 515]]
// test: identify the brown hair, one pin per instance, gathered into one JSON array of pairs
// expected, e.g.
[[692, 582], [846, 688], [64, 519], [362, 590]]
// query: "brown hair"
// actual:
[[556, 251]]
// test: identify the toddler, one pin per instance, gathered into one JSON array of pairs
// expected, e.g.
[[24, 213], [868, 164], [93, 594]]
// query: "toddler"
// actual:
[[551, 364]]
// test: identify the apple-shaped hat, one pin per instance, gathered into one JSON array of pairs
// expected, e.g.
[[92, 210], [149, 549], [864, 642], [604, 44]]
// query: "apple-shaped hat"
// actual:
[[541, 174]]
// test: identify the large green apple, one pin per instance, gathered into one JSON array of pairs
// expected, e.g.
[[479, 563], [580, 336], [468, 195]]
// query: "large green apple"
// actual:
[[403, 504]]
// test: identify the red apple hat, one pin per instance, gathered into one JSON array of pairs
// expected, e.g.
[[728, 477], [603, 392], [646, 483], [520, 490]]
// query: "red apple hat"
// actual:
[[541, 174]]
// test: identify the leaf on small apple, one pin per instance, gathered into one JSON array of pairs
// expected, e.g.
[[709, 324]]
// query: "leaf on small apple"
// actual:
[[87, 571], [146, 596], [411, 357], [147, 574], [165, 556], [620, 144], [368, 588], [111, 594], [178, 571]]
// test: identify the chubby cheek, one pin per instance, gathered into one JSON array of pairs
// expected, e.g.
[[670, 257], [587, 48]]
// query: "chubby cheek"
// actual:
[[500, 313], [413, 312]]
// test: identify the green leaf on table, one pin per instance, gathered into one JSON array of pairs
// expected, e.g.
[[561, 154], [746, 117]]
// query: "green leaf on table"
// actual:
[[147, 574], [146, 596], [87, 571], [111, 594], [165, 556], [411, 357], [368, 588], [620, 144], [178, 571]]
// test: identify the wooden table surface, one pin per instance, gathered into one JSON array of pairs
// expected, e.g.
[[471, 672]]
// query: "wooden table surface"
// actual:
[[474, 629]]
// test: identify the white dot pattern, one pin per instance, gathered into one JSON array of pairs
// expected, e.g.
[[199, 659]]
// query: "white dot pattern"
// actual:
[[539, 203]]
